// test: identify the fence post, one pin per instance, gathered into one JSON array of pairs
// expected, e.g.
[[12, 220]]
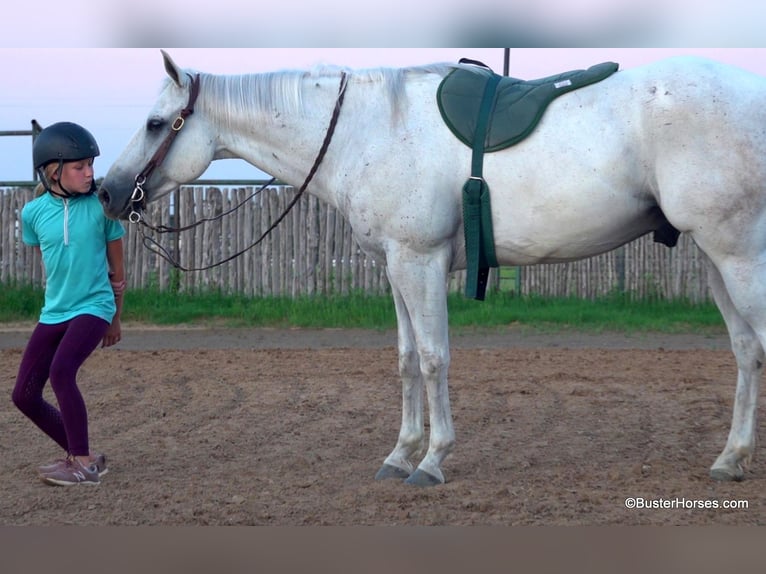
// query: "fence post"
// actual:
[[619, 263]]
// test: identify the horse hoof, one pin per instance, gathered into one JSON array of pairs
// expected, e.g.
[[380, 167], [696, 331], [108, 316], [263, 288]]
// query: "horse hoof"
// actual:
[[390, 471], [422, 478], [727, 474]]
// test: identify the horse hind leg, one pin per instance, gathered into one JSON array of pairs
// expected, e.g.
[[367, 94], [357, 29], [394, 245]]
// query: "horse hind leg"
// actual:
[[748, 347]]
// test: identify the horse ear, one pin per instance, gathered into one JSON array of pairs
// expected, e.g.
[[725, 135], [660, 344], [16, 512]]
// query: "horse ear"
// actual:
[[171, 68]]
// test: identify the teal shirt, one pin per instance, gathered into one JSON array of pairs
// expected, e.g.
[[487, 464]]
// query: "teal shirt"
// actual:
[[72, 235]]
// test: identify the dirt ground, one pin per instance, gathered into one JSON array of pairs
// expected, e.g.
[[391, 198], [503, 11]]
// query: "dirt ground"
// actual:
[[289, 427]]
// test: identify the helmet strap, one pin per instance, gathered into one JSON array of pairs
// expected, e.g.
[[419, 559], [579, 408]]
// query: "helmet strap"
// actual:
[[63, 192]]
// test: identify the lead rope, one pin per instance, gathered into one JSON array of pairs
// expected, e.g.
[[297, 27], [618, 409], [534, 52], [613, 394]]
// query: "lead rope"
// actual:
[[152, 245]]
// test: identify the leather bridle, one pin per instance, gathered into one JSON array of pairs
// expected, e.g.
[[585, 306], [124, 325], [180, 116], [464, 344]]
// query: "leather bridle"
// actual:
[[137, 199]]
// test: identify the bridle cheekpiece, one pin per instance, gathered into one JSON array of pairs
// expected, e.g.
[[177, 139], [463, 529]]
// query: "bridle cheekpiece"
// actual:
[[137, 199]]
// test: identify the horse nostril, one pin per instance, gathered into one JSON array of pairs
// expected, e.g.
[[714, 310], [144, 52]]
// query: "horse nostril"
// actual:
[[103, 195]]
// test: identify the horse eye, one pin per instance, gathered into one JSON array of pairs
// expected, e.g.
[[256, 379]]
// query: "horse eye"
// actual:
[[154, 124]]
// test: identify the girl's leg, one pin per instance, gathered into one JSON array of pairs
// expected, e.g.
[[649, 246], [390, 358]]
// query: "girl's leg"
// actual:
[[82, 336], [33, 374]]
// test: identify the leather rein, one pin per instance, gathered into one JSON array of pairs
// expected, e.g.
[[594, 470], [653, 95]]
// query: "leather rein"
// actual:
[[138, 198]]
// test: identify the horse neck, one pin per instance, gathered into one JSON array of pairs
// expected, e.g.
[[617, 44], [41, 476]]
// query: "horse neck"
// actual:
[[284, 139]]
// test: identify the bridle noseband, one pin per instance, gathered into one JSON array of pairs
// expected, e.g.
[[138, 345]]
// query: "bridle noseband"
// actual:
[[137, 199]]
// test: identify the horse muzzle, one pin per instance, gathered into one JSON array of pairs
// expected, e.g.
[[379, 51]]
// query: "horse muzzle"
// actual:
[[116, 210]]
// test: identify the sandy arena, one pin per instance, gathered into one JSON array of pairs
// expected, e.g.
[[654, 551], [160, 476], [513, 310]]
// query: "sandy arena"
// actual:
[[289, 427]]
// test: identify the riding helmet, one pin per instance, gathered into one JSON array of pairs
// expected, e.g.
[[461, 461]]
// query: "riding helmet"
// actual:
[[63, 142]]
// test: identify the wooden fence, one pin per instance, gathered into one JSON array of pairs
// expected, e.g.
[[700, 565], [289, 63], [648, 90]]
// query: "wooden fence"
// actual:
[[312, 251]]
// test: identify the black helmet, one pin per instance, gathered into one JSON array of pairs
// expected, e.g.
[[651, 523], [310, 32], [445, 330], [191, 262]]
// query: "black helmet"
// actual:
[[62, 142]]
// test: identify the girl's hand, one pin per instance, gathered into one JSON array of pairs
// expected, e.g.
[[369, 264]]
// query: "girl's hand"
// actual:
[[113, 334]]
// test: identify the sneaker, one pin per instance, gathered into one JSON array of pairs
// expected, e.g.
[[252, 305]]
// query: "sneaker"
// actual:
[[48, 468], [71, 473], [99, 462]]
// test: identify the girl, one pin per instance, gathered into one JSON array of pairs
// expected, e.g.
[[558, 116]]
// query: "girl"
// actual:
[[83, 264]]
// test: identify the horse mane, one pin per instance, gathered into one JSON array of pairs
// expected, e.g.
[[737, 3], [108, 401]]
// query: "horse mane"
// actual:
[[236, 95]]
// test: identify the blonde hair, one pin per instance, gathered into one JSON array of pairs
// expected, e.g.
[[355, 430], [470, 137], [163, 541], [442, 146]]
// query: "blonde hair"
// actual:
[[48, 170]]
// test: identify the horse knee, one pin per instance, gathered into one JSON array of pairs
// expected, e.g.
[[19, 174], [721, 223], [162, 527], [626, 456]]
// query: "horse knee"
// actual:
[[748, 351], [434, 363], [409, 366], [429, 364]]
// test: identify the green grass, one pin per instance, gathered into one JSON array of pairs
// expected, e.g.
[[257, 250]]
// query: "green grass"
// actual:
[[613, 313]]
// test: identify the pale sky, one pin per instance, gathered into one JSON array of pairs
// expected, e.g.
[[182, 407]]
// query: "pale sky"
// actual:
[[339, 23], [111, 90]]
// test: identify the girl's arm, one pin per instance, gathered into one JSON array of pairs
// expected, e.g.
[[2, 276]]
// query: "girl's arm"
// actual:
[[114, 256]]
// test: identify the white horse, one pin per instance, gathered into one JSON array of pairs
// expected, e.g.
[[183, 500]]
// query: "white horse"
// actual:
[[680, 143]]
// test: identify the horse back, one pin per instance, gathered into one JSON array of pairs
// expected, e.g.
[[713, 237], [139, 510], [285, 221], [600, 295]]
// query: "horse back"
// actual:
[[667, 142]]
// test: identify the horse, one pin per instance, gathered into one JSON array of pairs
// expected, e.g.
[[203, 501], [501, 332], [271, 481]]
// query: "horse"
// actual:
[[677, 144]]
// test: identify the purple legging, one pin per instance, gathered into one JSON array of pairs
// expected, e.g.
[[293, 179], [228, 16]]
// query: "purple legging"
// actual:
[[57, 352]]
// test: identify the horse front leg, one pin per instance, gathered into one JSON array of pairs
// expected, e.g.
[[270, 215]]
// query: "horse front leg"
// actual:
[[420, 287], [434, 365], [399, 463]]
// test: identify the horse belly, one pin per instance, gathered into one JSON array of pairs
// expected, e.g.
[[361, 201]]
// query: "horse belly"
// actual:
[[526, 238], [577, 207]]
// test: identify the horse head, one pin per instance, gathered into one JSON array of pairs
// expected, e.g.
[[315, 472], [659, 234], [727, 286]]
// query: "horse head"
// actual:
[[150, 167]]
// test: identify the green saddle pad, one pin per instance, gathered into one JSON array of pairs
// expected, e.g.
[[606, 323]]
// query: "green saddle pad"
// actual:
[[518, 104]]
